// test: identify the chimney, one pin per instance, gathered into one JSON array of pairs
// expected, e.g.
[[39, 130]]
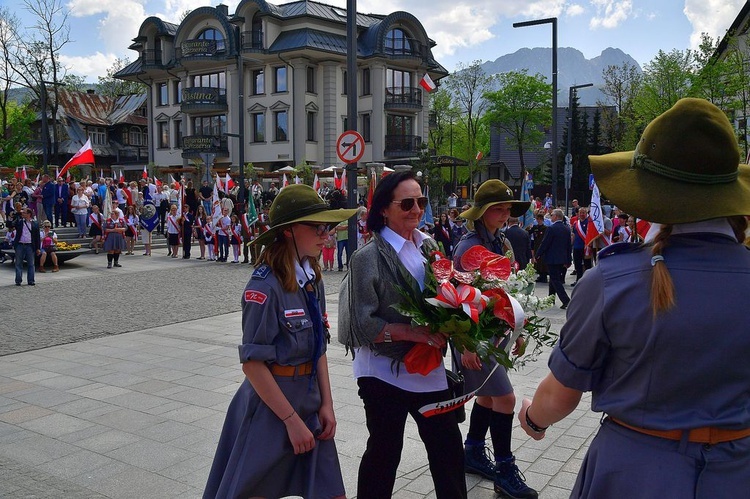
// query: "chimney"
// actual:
[[223, 9]]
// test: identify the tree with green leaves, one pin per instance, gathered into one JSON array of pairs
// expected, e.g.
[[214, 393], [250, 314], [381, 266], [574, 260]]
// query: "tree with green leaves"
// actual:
[[114, 87], [17, 120], [666, 79], [621, 86], [521, 108], [467, 85]]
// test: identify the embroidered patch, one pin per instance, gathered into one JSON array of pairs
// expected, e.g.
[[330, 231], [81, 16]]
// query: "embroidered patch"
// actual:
[[255, 296], [261, 272], [298, 312]]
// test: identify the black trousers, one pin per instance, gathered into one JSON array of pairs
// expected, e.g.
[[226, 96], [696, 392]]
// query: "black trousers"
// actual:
[[556, 282], [580, 263], [386, 408]]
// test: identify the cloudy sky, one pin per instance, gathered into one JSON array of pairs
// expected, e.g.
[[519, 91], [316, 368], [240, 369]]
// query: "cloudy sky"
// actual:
[[465, 30]]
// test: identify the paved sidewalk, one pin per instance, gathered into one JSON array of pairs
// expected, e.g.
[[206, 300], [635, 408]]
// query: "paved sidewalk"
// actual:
[[138, 415]]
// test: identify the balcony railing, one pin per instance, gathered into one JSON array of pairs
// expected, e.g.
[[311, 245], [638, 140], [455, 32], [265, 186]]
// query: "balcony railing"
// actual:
[[194, 145], [402, 145], [252, 40], [403, 98], [134, 154], [151, 58], [203, 99], [406, 47]]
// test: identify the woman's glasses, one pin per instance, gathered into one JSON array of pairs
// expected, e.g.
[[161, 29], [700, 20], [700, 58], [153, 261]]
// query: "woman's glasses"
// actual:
[[408, 203], [320, 229]]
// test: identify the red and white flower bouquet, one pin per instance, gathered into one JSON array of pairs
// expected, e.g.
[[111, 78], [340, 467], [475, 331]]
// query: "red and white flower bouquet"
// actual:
[[483, 309]]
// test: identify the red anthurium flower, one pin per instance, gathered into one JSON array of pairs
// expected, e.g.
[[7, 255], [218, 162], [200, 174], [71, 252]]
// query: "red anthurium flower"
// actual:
[[502, 309], [422, 359], [443, 270], [495, 268], [473, 258]]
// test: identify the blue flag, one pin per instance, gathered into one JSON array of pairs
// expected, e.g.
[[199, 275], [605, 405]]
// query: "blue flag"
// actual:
[[149, 215], [427, 218]]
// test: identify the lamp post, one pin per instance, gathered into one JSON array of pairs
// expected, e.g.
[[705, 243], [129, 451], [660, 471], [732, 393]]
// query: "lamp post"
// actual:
[[553, 21], [45, 127], [569, 156]]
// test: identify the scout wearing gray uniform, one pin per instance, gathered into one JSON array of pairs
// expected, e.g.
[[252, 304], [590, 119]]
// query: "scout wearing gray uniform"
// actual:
[[276, 328], [656, 332]]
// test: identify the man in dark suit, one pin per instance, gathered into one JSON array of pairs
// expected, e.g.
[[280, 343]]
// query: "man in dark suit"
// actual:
[[48, 196], [556, 250], [62, 193], [520, 242], [26, 245]]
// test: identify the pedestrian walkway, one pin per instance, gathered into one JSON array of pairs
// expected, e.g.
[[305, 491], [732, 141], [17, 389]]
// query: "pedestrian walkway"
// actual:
[[138, 415]]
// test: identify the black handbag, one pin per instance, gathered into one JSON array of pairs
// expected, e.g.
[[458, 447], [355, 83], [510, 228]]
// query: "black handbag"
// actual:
[[457, 387]]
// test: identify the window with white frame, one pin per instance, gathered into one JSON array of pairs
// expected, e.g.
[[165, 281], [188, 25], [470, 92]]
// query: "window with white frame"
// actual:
[[98, 135]]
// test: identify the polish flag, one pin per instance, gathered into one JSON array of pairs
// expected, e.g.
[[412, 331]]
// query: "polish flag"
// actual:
[[17, 174], [173, 183], [157, 182], [37, 178], [284, 181], [145, 172], [228, 182], [84, 156], [642, 227], [57, 172], [336, 181], [427, 83], [297, 180], [23, 174], [122, 176], [219, 185], [316, 183], [480, 155]]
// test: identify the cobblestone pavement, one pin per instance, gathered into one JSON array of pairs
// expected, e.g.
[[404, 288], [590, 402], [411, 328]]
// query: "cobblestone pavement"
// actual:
[[138, 414]]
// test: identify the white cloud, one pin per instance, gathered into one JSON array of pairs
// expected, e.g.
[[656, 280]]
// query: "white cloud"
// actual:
[[117, 21], [574, 9], [610, 13], [710, 16], [90, 66]]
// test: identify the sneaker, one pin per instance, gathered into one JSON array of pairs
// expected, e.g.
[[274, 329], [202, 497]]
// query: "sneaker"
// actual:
[[510, 482], [477, 462]]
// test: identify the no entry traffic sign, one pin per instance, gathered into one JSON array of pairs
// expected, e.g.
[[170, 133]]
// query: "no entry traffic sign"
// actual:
[[350, 147]]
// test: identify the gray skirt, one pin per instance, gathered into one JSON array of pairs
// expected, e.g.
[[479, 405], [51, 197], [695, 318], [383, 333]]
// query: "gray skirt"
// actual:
[[497, 386], [114, 242], [255, 458]]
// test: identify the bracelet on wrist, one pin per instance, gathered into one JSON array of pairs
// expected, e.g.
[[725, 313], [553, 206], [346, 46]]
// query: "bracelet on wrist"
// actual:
[[535, 427], [289, 416]]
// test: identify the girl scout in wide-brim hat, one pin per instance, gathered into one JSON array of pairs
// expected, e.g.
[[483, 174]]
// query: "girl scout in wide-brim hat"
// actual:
[[494, 192], [686, 168], [299, 203]]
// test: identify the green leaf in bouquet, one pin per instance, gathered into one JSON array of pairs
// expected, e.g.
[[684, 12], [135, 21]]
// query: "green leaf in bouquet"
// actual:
[[455, 325]]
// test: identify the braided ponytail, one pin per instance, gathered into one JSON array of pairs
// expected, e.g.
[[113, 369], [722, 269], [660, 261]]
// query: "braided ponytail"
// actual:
[[662, 287]]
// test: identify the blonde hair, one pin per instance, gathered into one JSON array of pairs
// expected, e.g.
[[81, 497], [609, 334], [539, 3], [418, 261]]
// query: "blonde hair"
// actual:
[[280, 256], [662, 286]]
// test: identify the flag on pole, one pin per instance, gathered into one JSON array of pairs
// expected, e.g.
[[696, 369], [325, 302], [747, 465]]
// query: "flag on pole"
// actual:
[[427, 218], [297, 180], [157, 182], [527, 219], [101, 172], [596, 219], [427, 83], [215, 207], [17, 174], [37, 178], [316, 183], [173, 183], [480, 155], [84, 156], [145, 172], [642, 227], [122, 176], [228, 182], [371, 188], [336, 181], [23, 173], [249, 218], [57, 172], [219, 184], [284, 181]]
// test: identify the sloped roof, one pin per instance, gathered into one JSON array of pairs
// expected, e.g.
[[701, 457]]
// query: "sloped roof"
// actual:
[[313, 39], [100, 110], [134, 68], [323, 11]]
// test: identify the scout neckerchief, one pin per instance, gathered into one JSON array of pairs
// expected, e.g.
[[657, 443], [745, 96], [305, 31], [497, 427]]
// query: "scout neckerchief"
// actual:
[[316, 316]]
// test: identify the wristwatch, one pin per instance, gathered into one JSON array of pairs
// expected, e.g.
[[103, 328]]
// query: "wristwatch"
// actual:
[[387, 337]]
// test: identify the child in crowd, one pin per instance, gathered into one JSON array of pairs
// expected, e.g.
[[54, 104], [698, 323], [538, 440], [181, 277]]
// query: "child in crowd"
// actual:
[[235, 233]]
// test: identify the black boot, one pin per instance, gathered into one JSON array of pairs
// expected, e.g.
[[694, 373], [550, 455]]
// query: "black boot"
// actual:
[[510, 482]]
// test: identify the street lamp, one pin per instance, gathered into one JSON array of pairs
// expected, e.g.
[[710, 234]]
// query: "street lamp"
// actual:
[[569, 156], [553, 21]]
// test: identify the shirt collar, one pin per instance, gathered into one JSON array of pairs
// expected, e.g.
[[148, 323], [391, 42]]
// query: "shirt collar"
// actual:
[[713, 226], [398, 242], [304, 273]]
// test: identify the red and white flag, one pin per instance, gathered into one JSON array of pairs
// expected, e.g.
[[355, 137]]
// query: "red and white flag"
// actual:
[[480, 155], [316, 183], [84, 156], [297, 180], [17, 174], [57, 172], [284, 181], [37, 178], [157, 182], [427, 83], [218, 183], [122, 176], [228, 182], [173, 183], [596, 219], [215, 207], [336, 181], [145, 172], [23, 173]]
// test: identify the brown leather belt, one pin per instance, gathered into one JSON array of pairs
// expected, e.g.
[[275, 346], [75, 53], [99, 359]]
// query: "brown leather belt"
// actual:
[[705, 435], [291, 371]]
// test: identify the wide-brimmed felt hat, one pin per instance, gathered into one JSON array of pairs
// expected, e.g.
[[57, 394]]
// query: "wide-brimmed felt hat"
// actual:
[[299, 203], [494, 192], [686, 168]]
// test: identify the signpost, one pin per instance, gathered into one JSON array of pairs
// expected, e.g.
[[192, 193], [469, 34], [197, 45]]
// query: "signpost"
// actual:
[[350, 147]]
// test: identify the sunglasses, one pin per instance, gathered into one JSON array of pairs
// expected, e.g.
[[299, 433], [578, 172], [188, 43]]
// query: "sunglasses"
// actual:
[[320, 229], [408, 203]]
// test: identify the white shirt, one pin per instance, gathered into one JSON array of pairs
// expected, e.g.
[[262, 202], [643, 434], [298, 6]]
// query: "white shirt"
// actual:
[[366, 363]]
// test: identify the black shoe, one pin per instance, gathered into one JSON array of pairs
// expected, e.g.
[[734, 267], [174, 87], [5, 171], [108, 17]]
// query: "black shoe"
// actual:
[[510, 482], [564, 306], [109, 265], [18, 284], [118, 265], [32, 284]]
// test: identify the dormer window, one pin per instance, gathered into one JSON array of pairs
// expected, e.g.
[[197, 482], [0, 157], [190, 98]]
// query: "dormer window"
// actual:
[[213, 34], [397, 42]]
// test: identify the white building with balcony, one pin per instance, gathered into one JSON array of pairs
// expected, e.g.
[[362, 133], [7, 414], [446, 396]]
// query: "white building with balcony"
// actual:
[[281, 70]]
